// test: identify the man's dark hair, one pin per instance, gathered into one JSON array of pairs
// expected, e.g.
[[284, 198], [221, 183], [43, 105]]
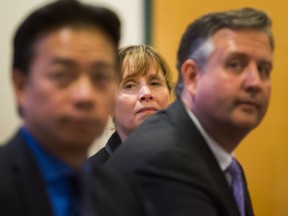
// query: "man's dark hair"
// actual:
[[57, 15], [198, 33]]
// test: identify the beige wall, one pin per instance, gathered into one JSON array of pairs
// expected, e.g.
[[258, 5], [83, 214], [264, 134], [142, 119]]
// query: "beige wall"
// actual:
[[264, 153]]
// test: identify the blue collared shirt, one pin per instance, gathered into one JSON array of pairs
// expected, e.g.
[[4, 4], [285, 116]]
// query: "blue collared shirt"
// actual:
[[57, 177]]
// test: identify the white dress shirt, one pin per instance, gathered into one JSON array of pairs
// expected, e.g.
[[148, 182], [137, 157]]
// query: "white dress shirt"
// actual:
[[222, 156]]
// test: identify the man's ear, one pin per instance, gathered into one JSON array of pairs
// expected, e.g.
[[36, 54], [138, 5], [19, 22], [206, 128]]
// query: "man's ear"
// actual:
[[19, 80], [189, 72]]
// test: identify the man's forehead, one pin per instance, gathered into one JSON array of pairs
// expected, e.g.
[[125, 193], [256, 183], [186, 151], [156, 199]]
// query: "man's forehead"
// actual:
[[241, 40], [225, 35], [67, 43]]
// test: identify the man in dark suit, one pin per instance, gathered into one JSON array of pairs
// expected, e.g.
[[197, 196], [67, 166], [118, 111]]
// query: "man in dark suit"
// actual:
[[65, 77], [182, 158]]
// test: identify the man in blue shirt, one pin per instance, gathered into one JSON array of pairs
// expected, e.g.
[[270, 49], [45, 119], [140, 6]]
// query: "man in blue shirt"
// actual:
[[64, 76]]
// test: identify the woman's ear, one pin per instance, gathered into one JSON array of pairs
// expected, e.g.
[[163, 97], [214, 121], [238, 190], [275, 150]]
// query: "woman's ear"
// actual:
[[189, 71]]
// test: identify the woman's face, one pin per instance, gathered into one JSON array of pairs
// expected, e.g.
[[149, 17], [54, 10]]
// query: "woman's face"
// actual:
[[138, 97]]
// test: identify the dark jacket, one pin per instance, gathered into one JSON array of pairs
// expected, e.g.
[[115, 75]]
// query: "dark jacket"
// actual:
[[103, 154], [24, 194], [171, 163]]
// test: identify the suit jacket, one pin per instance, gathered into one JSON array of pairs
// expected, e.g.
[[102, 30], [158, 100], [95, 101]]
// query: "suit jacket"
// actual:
[[175, 169], [103, 154], [24, 194]]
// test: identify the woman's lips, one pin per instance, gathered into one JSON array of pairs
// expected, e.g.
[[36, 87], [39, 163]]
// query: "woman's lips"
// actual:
[[147, 109]]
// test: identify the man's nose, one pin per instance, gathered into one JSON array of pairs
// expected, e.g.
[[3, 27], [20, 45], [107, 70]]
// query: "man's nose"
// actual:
[[83, 93], [145, 93], [253, 79]]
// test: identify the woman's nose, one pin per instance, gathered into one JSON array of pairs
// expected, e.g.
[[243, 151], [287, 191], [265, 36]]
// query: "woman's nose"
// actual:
[[145, 93]]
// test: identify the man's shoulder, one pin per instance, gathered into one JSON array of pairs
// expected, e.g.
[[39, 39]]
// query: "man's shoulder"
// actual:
[[161, 142], [10, 153], [167, 125], [149, 146], [157, 128], [11, 147], [154, 136], [168, 129], [15, 158]]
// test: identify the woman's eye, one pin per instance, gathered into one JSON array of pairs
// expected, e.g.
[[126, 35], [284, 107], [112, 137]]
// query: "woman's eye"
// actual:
[[129, 85], [155, 83]]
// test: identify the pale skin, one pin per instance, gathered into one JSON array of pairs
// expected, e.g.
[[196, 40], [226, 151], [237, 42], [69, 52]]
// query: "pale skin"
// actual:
[[230, 95], [139, 97], [69, 93]]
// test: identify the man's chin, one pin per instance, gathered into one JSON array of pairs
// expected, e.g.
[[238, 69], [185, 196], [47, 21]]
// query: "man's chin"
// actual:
[[246, 124], [81, 139]]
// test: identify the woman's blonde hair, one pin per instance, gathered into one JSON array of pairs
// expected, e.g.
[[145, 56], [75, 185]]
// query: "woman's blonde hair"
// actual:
[[140, 58]]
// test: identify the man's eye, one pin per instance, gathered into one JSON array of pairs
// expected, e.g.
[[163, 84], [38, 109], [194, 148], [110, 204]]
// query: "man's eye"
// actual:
[[236, 66], [102, 76], [102, 80], [264, 71], [61, 77]]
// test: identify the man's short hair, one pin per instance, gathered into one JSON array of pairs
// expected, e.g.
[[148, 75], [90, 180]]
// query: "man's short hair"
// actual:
[[195, 41], [57, 15]]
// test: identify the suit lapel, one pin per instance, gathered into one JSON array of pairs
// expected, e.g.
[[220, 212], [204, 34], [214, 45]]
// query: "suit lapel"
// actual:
[[193, 141], [221, 183], [30, 185], [248, 203]]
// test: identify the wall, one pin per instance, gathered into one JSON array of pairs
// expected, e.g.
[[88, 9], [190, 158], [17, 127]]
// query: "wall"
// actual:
[[264, 152], [12, 13]]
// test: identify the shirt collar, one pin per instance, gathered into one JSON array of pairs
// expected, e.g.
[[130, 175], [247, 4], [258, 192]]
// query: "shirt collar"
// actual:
[[223, 157], [52, 169]]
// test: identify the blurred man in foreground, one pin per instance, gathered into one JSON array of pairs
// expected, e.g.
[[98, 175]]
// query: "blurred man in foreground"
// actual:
[[65, 72]]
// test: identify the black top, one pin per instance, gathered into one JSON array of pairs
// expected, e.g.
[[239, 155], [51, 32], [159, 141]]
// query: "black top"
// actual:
[[103, 154]]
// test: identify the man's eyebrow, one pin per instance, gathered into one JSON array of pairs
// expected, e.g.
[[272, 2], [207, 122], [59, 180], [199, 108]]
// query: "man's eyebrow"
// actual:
[[232, 55], [66, 62], [244, 55], [101, 64], [267, 62], [63, 61]]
